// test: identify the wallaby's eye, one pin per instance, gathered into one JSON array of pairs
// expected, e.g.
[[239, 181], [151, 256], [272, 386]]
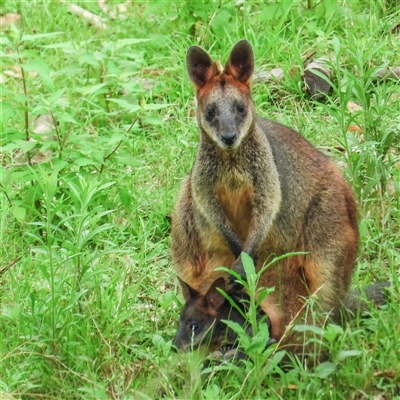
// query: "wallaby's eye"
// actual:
[[240, 108], [194, 326], [210, 113]]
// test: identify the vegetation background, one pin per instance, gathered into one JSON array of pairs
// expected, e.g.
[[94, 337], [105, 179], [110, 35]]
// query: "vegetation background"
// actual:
[[98, 130]]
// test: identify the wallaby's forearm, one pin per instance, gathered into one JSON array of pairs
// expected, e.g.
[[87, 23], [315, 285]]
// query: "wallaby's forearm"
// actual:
[[215, 216], [267, 197]]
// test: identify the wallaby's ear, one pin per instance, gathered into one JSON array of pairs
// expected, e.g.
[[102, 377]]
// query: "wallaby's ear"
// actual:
[[187, 291], [201, 68], [213, 296], [240, 63]]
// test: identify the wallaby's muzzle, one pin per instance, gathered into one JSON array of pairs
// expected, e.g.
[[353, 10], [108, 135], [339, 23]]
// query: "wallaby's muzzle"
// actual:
[[228, 138], [227, 128]]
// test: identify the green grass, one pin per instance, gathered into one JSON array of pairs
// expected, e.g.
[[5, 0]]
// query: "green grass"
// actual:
[[90, 305]]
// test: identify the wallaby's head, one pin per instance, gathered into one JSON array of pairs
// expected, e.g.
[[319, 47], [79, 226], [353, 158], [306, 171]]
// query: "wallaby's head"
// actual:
[[200, 320], [225, 109]]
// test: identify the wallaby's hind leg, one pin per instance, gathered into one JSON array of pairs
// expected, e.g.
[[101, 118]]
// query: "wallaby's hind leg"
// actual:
[[288, 304]]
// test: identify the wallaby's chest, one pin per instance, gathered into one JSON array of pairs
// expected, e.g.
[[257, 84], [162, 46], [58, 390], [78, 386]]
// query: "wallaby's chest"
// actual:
[[235, 196]]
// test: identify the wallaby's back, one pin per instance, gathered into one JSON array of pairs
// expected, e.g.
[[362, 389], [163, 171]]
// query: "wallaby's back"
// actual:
[[259, 187]]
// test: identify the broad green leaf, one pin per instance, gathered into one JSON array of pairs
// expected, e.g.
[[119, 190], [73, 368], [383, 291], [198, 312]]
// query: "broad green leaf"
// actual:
[[126, 42], [75, 299], [7, 111], [259, 341], [332, 331], [348, 353], [325, 369], [309, 328], [221, 19], [274, 361], [19, 213], [128, 160], [105, 186], [83, 161], [39, 109], [49, 144], [56, 95], [117, 137], [43, 71], [70, 70], [25, 145], [237, 328], [248, 265], [31, 38], [267, 12], [125, 197], [99, 56], [156, 107], [96, 88], [330, 8], [336, 45], [45, 273], [88, 59], [21, 97], [4, 40], [263, 294], [63, 45], [112, 69], [127, 106], [98, 156], [65, 117], [100, 229], [152, 121]]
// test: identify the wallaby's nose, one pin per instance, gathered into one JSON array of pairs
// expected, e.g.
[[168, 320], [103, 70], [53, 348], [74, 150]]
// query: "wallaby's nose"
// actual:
[[228, 138]]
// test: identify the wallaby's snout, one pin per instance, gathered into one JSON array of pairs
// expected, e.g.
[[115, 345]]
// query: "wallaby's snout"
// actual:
[[178, 342], [228, 130], [229, 138]]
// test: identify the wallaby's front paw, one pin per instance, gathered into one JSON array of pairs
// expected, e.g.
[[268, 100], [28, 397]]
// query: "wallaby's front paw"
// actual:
[[238, 268], [225, 353]]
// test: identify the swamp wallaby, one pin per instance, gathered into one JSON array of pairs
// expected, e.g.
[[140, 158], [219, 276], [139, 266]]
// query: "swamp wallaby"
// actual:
[[200, 321], [259, 187]]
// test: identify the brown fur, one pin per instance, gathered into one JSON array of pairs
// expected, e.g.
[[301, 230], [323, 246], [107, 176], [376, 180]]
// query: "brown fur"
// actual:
[[268, 193]]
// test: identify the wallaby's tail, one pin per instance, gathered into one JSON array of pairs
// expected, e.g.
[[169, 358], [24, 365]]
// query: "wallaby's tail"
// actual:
[[358, 300]]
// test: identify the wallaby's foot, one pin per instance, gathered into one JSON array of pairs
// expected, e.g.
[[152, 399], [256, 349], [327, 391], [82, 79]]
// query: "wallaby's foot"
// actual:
[[228, 352], [225, 348], [235, 286], [224, 354]]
